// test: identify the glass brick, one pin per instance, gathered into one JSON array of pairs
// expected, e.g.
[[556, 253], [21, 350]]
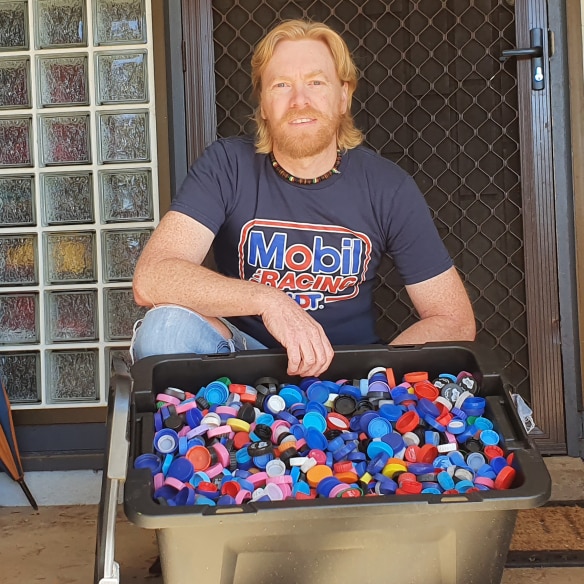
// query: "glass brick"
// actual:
[[120, 22], [126, 196], [111, 353], [65, 140], [18, 264], [61, 23], [122, 77], [124, 137], [67, 198], [13, 26], [70, 257], [63, 80], [16, 143], [18, 318], [121, 252], [121, 312], [72, 316], [72, 376], [14, 83], [17, 200], [20, 373]]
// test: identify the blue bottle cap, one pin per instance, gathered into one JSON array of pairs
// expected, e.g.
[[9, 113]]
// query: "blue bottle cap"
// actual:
[[300, 487], [427, 408], [357, 456], [183, 445], [464, 486], [314, 406], [266, 419], [181, 469], [434, 424], [335, 444], [442, 461], [432, 437], [203, 500], [193, 417], [262, 461], [486, 471], [387, 486], [165, 492], [391, 412], [449, 376], [350, 390], [375, 447], [489, 437], [483, 423], [366, 418], [343, 452], [456, 458], [363, 387], [377, 464], [226, 500], [395, 440], [149, 461], [318, 392], [287, 417], [360, 467], [346, 436], [166, 441], [325, 486], [475, 460], [445, 480], [185, 496], [314, 420], [498, 464], [421, 468], [298, 431], [291, 395], [458, 413], [315, 439], [431, 491], [216, 393], [295, 474], [330, 458], [158, 422], [378, 427], [306, 382], [196, 441]]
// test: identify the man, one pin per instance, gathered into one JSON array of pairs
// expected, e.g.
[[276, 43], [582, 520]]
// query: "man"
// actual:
[[299, 222]]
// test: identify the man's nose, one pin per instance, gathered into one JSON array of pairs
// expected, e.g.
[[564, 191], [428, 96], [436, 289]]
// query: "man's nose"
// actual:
[[300, 96]]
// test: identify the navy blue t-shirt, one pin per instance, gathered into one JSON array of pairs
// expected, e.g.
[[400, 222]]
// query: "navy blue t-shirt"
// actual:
[[320, 243]]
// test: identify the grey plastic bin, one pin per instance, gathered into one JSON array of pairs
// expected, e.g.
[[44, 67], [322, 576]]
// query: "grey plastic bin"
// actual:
[[418, 539]]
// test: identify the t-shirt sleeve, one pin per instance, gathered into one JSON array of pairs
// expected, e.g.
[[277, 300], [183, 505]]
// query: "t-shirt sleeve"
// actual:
[[207, 191], [413, 240]]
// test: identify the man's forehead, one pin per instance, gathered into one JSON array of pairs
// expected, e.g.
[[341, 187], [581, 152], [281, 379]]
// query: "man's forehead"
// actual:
[[292, 53]]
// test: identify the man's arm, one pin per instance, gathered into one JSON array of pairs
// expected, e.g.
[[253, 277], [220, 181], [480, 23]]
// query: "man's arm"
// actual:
[[444, 309], [169, 271]]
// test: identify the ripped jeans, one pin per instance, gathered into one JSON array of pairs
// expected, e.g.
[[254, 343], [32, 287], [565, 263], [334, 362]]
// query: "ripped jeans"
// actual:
[[169, 329]]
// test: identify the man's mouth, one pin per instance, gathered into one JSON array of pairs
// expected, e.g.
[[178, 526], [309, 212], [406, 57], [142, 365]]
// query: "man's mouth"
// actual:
[[302, 121]]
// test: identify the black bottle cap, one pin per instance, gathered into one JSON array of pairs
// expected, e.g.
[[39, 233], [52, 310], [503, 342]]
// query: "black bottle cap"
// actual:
[[345, 405], [246, 413], [263, 432], [174, 422], [259, 448]]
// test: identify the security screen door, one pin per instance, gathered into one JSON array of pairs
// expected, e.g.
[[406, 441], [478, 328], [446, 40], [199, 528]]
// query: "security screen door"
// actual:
[[434, 97]]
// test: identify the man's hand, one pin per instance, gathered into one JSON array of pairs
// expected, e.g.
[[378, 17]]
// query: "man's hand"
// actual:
[[309, 350]]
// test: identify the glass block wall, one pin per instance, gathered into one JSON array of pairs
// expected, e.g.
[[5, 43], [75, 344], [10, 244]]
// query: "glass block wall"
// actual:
[[78, 197]]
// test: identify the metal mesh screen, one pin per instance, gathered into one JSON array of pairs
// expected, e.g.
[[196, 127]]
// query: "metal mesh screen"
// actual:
[[433, 98]]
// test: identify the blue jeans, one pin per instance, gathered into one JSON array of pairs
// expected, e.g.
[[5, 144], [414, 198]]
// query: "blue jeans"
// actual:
[[168, 330]]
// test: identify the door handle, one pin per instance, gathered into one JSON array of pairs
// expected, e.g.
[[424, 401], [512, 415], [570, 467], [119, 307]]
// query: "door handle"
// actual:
[[535, 53]]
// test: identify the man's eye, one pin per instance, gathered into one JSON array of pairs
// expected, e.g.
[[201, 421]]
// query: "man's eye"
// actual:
[[316, 82], [282, 84]]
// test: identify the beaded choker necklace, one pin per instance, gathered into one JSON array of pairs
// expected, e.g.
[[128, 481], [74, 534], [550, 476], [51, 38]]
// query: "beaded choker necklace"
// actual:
[[306, 181]]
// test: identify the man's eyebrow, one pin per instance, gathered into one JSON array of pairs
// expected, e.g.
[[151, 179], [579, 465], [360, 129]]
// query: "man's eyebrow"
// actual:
[[314, 73]]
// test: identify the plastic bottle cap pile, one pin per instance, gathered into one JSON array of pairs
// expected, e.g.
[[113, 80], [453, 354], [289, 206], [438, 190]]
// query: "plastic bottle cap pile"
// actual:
[[233, 443]]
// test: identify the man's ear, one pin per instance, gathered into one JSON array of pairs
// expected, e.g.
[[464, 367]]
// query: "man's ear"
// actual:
[[344, 97]]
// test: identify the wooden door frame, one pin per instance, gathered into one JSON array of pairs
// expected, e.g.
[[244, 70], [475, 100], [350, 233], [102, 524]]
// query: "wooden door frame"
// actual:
[[548, 221]]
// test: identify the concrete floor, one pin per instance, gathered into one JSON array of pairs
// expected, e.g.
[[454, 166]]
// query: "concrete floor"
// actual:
[[57, 544]]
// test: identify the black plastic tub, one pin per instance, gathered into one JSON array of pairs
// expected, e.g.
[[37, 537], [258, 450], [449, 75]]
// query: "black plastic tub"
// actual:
[[419, 539]]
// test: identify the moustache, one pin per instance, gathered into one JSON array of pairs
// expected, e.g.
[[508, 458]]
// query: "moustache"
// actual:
[[305, 113]]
